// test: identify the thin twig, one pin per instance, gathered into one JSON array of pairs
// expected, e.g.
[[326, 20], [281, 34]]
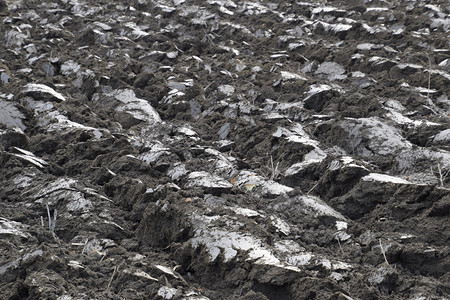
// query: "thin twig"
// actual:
[[442, 176], [85, 245], [273, 168], [271, 163], [55, 214], [49, 218], [384, 255], [104, 255], [445, 175], [340, 246], [312, 188], [111, 279]]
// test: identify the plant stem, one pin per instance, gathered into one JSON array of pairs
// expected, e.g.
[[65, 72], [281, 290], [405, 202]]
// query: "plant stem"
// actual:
[[384, 255]]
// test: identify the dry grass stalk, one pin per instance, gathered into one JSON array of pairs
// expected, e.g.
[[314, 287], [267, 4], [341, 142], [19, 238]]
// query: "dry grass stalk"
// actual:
[[384, 255]]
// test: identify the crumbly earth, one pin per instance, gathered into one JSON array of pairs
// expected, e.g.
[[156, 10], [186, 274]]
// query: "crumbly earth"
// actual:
[[224, 149]]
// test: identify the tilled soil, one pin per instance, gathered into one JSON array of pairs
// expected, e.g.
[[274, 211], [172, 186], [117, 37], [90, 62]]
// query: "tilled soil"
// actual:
[[223, 149]]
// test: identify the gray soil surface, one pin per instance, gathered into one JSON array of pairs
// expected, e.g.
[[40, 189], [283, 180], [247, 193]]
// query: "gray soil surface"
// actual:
[[224, 149]]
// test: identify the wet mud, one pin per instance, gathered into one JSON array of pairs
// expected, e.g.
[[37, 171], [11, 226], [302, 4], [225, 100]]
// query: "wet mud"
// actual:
[[218, 149]]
